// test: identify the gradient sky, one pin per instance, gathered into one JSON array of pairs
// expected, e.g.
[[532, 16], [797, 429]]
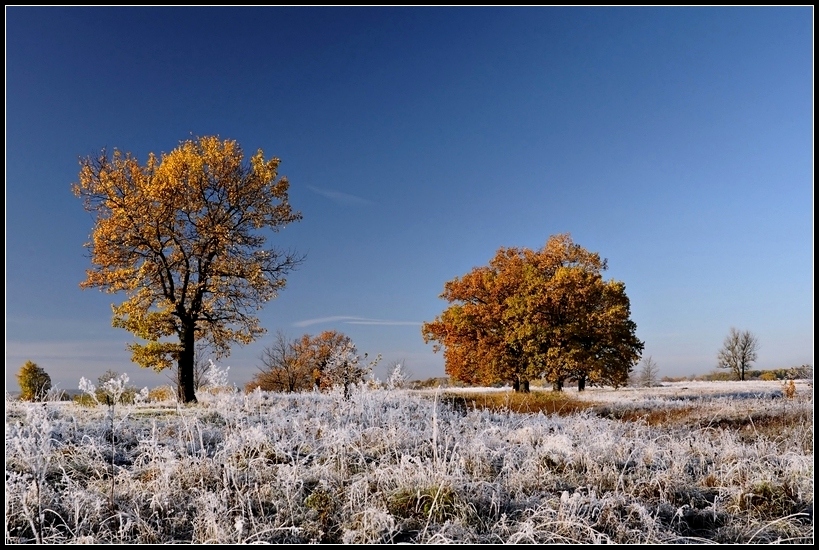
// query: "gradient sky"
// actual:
[[676, 142]]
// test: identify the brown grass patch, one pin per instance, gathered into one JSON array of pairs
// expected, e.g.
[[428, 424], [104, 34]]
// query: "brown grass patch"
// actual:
[[652, 417], [547, 402]]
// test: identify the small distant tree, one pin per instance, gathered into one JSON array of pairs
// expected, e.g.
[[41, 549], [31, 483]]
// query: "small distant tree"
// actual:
[[321, 362], [649, 371], [738, 352], [34, 382], [283, 369]]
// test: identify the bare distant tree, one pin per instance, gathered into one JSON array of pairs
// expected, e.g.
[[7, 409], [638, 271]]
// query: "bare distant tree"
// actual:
[[283, 368], [738, 352], [649, 371]]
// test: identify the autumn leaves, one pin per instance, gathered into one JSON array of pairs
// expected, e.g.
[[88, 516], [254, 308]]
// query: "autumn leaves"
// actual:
[[537, 314], [181, 237]]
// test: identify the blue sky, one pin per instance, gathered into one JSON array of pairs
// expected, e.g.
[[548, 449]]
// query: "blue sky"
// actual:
[[676, 142]]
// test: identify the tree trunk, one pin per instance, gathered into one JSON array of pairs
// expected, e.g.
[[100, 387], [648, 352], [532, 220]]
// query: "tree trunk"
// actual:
[[520, 384], [184, 387], [581, 383], [557, 385]]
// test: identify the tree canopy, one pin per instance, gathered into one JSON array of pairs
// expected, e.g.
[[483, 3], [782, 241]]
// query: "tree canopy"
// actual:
[[34, 382], [537, 314], [182, 237]]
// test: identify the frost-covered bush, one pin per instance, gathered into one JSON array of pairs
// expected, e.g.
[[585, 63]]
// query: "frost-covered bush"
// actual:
[[112, 388], [398, 377], [161, 393], [215, 379]]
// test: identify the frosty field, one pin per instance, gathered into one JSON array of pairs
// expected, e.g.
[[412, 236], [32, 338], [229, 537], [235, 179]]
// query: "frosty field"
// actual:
[[687, 462]]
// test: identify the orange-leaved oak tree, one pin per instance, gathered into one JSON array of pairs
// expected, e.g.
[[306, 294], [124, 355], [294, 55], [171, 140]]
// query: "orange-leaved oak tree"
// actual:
[[182, 236], [318, 352], [529, 314]]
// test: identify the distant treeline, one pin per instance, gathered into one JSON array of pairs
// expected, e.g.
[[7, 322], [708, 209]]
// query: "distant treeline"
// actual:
[[801, 372], [789, 373]]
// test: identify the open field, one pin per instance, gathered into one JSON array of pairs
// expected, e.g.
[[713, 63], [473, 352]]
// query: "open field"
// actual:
[[687, 462]]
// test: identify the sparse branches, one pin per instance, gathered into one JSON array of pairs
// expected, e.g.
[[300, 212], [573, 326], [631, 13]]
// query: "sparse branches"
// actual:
[[283, 369], [649, 371], [738, 352], [345, 368], [398, 376]]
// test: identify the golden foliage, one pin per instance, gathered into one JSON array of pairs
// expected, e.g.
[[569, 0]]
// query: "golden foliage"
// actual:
[[161, 393], [537, 314], [34, 382], [179, 236]]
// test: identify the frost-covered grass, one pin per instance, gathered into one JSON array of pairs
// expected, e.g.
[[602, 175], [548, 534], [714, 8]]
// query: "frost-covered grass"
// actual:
[[658, 465]]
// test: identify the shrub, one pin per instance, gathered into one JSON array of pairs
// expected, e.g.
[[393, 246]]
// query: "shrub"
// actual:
[[434, 503], [768, 376], [85, 400], [34, 382], [162, 393], [717, 376]]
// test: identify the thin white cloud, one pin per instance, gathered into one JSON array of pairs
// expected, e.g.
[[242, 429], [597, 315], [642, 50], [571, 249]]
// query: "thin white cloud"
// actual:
[[344, 199], [353, 321], [384, 322]]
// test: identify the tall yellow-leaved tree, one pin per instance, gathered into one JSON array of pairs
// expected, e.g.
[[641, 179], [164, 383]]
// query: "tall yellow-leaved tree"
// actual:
[[183, 238]]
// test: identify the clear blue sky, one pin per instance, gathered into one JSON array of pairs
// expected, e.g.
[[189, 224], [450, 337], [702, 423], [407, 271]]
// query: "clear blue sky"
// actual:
[[677, 143]]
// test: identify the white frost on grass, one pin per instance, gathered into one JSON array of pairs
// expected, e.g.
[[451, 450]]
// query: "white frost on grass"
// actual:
[[693, 389], [401, 466]]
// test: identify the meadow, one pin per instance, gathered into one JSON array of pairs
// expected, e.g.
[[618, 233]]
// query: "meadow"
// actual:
[[692, 462]]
